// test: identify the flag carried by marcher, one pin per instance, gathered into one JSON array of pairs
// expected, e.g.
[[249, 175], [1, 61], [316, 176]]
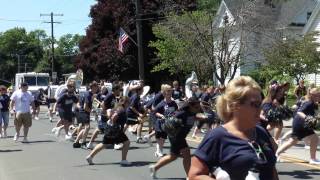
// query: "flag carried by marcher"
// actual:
[[123, 38]]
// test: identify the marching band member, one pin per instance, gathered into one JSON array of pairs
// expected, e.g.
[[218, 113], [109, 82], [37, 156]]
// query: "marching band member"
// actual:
[[300, 131], [179, 145]]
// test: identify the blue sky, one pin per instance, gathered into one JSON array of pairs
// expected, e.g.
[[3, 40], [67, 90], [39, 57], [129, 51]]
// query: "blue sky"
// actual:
[[26, 13]]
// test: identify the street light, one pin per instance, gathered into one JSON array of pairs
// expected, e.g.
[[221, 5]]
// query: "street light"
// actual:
[[19, 54]]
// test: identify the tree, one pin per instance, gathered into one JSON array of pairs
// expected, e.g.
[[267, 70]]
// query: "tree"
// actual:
[[99, 56], [65, 53], [294, 57], [16, 45]]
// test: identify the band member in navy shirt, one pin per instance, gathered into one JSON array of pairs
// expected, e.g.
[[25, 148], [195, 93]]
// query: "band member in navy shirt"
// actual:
[[177, 93], [108, 103], [136, 113], [239, 147], [179, 145], [65, 104], [83, 117], [118, 118], [165, 108], [300, 131]]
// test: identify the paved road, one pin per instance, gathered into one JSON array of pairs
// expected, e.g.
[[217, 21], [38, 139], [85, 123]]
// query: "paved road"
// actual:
[[50, 158]]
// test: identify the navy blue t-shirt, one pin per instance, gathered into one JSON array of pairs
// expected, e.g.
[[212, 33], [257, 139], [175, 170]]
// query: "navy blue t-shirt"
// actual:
[[165, 108], [306, 107], [66, 101], [197, 95], [177, 94], [206, 97], [188, 119], [134, 102], [87, 97], [122, 117], [236, 156], [266, 107], [109, 101], [157, 99], [5, 101]]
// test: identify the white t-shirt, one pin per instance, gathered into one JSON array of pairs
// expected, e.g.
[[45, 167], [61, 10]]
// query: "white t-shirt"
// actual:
[[22, 101]]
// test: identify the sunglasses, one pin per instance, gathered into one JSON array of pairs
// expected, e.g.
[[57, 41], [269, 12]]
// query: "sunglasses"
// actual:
[[254, 104], [258, 150]]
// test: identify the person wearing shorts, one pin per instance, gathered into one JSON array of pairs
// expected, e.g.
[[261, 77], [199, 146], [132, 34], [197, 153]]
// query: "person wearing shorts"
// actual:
[[179, 145], [135, 113], [22, 99], [108, 103], [118, 118], [4, 111], [164, 109], [65, 104], [300, 131], [83, 116]]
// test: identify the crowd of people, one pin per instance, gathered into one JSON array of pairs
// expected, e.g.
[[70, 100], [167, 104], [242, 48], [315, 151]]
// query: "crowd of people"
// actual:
[[238, 120]]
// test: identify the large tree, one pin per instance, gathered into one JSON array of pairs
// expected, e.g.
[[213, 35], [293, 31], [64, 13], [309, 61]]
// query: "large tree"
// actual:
[[99, 57], [20, 51]]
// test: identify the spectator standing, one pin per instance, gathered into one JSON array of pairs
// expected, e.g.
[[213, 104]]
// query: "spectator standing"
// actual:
[[21, 100], [4, 113]]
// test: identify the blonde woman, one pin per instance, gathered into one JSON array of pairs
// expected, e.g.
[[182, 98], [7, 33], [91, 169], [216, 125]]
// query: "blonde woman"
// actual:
[[239, 146], [299, 131]]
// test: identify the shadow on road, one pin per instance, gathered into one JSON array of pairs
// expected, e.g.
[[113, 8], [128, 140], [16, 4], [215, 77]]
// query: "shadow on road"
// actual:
[[299, 174], [40, 141], [173, 178], [10, 150]]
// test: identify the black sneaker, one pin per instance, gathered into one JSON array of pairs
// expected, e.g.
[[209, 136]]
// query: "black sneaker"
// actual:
[[84, 145], [76, 145]]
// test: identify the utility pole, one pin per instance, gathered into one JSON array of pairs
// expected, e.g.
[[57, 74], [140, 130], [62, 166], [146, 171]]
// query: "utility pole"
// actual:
[[139, 39], [52, 37]]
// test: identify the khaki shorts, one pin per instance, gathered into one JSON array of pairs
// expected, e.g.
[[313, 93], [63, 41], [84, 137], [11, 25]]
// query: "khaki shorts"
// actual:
[[23, 119]]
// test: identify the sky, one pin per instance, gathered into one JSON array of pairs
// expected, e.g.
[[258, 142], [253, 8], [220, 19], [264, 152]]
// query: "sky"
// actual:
[[26, 13]]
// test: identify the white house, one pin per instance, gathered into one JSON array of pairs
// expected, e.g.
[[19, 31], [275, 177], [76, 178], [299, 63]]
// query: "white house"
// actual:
[[293, 18]]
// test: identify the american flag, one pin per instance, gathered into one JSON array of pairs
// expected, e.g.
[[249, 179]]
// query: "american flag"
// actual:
[[123, 37]]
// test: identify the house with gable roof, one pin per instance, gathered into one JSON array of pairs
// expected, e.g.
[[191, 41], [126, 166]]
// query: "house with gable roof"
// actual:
[[293, 18]]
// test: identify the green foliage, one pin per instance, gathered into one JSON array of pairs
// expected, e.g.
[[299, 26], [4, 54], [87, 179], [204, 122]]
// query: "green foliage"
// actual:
[[34, 51], [294, 57], [181, 48]]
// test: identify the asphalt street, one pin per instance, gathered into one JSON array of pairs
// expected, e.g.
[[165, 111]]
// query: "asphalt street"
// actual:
[[51, 158]]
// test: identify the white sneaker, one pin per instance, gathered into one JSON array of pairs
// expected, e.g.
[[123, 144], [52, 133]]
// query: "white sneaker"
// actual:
[[152, 172], [58, 131], [118, 146], [50, 118], [147, 139], [125, 163], [158, 154], [69, 138], [0, 135], [5, 134], [54, 130], [25, 140], [16, 137], [89, 160], [36, 118], [90, 145], [314, 161]]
